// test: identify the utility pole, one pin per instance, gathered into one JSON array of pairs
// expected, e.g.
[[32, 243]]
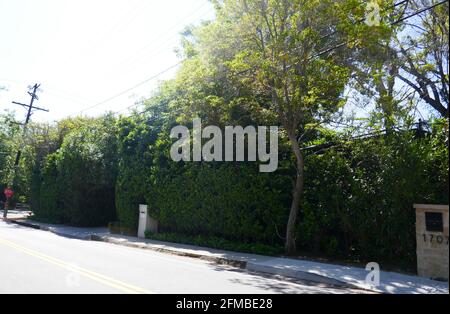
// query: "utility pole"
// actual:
[[33, 93]]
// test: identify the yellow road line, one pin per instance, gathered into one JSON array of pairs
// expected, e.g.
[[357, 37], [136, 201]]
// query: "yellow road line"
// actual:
[[119, 285]]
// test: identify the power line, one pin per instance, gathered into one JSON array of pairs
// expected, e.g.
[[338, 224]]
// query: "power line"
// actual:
[[342, 44], [315, 56], [403, 2], [128, 18], [420, 12], [163, 35], [137, 63], [392, 7], [170, 41], [406, 2], [391, 24], [128, 89], [66, 96], [157, 52], [56, 92]]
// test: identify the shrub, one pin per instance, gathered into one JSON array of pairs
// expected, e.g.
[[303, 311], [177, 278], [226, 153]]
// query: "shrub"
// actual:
[[133, 170], [77, 182], [359, 198], [232, 201]]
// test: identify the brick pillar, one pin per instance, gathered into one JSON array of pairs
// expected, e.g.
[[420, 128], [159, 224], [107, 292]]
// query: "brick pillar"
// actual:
[[432, 241]]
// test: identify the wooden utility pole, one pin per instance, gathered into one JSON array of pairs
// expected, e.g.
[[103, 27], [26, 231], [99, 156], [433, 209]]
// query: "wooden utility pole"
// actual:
[[30, 107]]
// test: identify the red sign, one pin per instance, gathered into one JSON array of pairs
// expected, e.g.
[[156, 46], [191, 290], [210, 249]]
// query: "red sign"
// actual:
[[9, 193]]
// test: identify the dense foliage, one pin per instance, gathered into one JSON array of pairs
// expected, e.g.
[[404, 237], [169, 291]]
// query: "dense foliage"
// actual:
[[358, 204], [76, 183]]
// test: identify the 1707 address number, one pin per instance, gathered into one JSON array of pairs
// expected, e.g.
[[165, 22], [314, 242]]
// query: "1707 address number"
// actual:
[[435, 239]]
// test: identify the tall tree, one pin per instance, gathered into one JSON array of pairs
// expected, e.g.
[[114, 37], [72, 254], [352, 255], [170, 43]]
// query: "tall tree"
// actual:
[[424, 54], [9, 132], [285, 52]]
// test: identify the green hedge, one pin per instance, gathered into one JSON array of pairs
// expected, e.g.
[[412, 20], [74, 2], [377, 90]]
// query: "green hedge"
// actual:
[[76, 185], [359, 198], [357, 204], [132, 185], [49, 205], [233, 201]]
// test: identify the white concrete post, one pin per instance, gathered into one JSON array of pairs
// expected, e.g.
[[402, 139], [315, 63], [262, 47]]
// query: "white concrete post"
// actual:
[[146, 223]]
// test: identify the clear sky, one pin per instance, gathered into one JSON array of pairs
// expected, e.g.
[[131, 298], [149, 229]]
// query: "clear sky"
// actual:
[[83, 52]]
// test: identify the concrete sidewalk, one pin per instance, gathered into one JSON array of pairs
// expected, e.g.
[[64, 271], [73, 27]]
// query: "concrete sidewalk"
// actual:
[[391, 283], [16, 214]]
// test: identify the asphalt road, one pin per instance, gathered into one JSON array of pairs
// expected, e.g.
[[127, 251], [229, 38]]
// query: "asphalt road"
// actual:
[[35, 261]]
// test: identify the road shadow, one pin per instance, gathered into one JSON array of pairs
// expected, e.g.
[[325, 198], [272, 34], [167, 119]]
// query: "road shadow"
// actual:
[[284, 285]]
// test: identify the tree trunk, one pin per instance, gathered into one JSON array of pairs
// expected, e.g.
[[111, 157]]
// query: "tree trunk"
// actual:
[[297, 191]]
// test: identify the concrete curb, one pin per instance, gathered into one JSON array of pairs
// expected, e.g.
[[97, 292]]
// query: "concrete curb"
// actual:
[[252, 267], [214, 259], [23, 224], [44, 228]]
